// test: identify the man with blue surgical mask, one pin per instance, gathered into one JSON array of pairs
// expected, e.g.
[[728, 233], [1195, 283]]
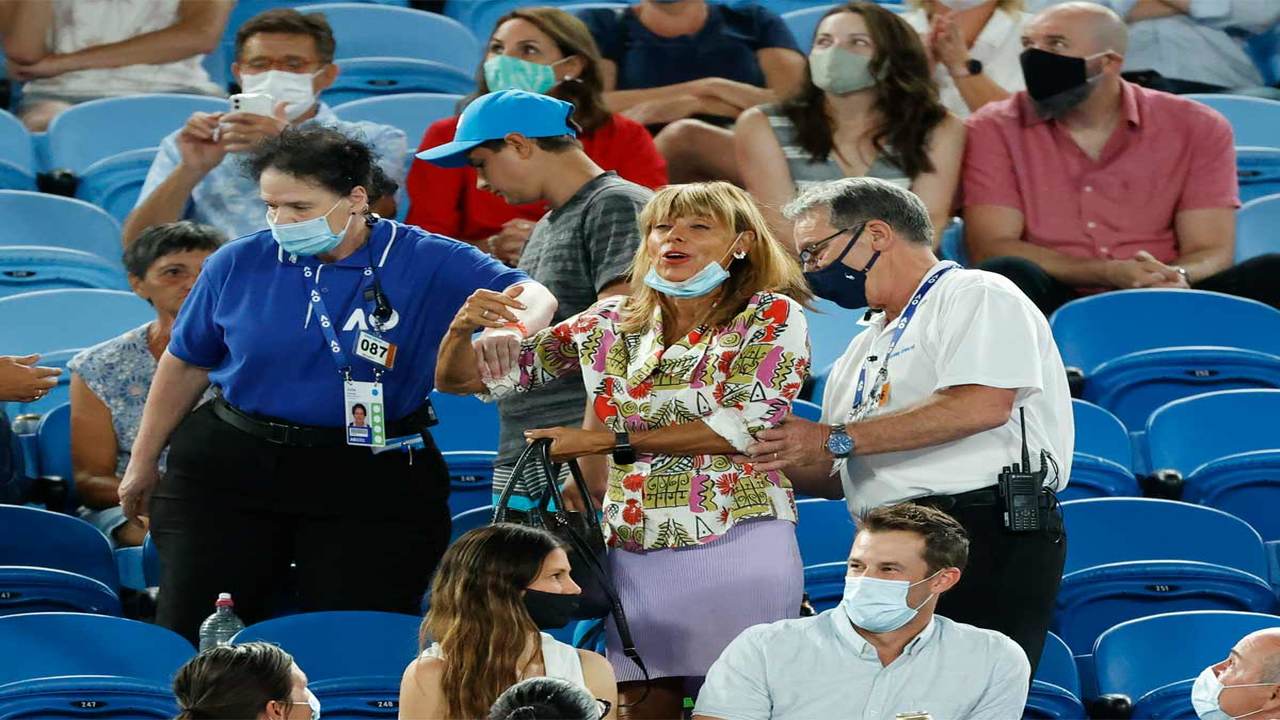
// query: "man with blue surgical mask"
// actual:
[[927, 403], [882, 650], [196, 175], [1246, 684]]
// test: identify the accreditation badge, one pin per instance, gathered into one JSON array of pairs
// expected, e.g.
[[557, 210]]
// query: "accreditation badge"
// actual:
[[375, 350], [366, 422]]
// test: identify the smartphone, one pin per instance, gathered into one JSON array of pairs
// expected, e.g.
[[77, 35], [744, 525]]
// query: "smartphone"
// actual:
[[256, 103]]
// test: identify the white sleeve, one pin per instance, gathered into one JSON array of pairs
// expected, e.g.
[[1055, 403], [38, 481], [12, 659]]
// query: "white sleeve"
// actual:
[[736, 686], [988, 337]]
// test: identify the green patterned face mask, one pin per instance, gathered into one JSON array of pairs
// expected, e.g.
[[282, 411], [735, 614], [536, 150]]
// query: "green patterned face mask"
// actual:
[[503, 72]]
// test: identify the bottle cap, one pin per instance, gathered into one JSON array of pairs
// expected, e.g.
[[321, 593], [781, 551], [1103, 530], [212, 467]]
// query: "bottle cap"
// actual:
[[224, 600]]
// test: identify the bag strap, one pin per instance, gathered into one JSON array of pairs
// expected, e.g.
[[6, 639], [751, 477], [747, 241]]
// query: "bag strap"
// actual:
[[528, 455]]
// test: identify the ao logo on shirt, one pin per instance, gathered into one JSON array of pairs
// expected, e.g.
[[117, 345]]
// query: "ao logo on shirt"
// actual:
[[357, 321]]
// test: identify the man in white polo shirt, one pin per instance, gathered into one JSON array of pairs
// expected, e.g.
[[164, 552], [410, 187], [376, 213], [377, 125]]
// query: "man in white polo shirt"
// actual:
[[882, 651], [926, 405]]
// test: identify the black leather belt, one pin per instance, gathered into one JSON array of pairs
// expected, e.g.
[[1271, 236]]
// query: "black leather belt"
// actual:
[[280, 433], [973, 498]]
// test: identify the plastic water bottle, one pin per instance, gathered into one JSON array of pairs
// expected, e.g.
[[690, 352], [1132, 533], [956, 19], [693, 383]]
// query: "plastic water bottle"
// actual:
[[222, 625]]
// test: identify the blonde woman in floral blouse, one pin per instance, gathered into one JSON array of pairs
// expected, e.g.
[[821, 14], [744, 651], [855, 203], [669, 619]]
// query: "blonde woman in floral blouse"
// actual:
[[709, 349]]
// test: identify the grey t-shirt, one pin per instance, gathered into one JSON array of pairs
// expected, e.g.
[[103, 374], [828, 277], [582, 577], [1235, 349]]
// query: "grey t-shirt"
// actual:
[[575, 251]]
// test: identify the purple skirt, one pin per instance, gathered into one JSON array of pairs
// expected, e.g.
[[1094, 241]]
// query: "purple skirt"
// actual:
[[684, 606]]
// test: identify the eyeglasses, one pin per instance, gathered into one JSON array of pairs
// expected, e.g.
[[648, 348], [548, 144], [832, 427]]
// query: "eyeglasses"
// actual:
[[810, 255]]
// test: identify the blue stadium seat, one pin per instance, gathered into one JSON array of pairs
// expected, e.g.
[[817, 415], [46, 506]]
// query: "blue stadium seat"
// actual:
[[114, 183], [53, 450], [51, 561], [60, 394], [364, 30], [831, 329], [376, 77], [807, 410], [1154, 660], [481, 15], [27, 268], [74, 697], [1254, 120], [824, 584], [803, 24], [32, 218], [824, 530], [466, 423], [17, 155], [1258, 172], [1258, 227], [77, 138], [353, 660], [1103, 456], [470, 479], [953, 246], [58, 319], [1226, 447], [53, 644], [139, 567], [1173, 556], [1139, 349], [470, 520], [411, 112], [1055, 689], [1264, 50]]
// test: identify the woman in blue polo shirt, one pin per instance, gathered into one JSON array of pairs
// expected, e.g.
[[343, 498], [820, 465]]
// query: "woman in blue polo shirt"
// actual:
[[328, 309]]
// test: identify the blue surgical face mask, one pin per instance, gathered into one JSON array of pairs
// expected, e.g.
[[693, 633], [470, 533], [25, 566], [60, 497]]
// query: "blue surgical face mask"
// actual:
[[307, 237], [841, 284], [503, 72], [877, 605], [1206, 694], [703, 282]]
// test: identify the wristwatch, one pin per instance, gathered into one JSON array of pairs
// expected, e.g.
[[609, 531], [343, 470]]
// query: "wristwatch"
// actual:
[[623, 453], [839, 444], [972, 67]]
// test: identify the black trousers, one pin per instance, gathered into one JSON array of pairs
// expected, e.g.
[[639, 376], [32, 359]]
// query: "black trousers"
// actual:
[[1254, 279], [1011, 581], [233, 512]]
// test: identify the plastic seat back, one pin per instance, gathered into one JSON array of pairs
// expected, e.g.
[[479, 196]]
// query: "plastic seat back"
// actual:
[[53, 444], [41, 645], [1055, 689], [1254, 120], [824, 584], [57, 319], [32, 218], [1103, 456], [807, 410], [469, 520], [1258, 226], [1155, 659], [1226, 446], [1258, 174], [114, 183], [803, 24], [466, 423], [28, 268], [73, 697], [366, 30], [17, 155], [1139, 349], [824, 530], [39, 538], [77, 139], [831, 329], [411, 112], [376, 77]]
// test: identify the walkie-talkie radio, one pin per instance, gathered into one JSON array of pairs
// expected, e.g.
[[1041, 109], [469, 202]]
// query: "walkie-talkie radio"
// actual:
[[1021, 491]]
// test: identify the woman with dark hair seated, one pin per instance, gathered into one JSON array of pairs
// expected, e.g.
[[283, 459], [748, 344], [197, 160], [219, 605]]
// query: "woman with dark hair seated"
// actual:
[[547, 699], [110, 381], [329, 307], [869, 109], [543, 50], [497, 588], [253, 681]]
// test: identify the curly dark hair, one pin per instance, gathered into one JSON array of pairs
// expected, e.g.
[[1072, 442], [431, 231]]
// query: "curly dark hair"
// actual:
[[323, 156], [906, 96]]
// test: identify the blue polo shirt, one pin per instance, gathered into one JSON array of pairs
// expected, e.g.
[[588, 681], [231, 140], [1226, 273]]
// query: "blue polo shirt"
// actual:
[[249, 320]]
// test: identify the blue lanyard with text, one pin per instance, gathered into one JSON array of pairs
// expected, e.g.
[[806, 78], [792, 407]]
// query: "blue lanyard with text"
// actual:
[[901, 327], [326, 326]]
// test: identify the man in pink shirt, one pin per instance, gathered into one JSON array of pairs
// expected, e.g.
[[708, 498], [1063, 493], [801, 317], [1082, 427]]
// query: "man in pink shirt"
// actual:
[[1085, 182]]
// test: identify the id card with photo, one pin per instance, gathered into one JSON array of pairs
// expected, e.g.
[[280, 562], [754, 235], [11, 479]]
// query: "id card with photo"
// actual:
[[365, 421]]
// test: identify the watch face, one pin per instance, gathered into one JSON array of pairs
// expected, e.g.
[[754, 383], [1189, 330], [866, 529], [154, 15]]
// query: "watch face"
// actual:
[[839, 444]]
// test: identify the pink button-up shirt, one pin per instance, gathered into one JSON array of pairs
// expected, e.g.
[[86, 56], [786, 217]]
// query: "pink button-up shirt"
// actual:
[[1168, 154]]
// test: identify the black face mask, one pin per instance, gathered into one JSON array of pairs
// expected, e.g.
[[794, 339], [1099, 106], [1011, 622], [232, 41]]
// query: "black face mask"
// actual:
[[550, 610], [840, 283], [1055, 83]]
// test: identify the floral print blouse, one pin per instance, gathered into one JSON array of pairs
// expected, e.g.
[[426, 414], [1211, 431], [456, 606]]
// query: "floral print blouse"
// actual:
[[739, 379]]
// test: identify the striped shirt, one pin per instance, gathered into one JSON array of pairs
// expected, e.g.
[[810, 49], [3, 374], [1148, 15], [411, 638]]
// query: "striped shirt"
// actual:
[[807, 171]]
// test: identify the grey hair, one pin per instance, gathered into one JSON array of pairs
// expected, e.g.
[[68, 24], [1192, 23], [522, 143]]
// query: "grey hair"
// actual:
[[159, 240], [853, 201]]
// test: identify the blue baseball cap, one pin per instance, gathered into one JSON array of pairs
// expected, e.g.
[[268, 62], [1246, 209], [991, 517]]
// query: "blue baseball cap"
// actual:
[[493, 116]]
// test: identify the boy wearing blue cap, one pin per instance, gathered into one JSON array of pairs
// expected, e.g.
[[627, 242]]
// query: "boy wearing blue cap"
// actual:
[[524, 148]]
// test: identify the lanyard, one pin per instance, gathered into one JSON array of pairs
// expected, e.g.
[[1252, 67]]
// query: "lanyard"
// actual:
[[321, 311], [898, 330]]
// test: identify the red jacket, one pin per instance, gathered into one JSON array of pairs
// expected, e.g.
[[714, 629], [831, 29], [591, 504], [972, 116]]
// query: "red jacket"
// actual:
[[446, 201]]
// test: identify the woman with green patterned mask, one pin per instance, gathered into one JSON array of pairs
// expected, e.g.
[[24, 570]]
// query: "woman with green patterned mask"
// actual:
[[522, 57]]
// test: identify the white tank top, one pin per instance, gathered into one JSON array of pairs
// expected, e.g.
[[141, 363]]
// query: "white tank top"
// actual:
[[561, 660]]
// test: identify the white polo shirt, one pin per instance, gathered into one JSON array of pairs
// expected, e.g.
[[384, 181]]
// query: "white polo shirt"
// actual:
[[998, 46], [820, 667], [972, 328]]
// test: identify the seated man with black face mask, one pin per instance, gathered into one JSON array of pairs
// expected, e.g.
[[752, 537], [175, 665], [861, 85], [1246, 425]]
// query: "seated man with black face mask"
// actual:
[[882, 651], [1086, 182]]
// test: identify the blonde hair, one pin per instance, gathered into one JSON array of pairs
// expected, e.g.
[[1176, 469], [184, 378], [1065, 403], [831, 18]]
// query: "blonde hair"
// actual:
[[1007, 5], [766, 267]]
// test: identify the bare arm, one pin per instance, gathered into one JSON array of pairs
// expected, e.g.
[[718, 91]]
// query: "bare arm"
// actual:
[[937, 188], [946, 415], [1206, 241], [978, 90], [992, 231], [689, 438], [460, 362], [94, 448], [24, 27], [166, 204], [763, 165], [595, 468], [420, 695], [1152, 9], [197, 31], [598, 674], [784, 70]]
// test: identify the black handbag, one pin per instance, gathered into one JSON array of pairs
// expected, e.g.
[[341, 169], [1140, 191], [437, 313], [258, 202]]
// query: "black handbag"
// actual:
[[579, 531]]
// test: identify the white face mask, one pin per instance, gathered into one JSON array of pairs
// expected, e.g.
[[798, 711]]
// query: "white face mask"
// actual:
[[1206, 696], [961, 5], [294, 89]]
